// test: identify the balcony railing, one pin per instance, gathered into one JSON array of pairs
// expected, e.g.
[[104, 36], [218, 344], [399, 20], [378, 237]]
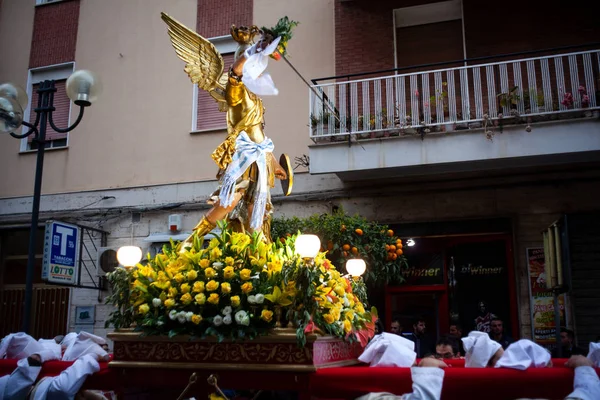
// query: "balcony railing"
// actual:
[[485, 95]]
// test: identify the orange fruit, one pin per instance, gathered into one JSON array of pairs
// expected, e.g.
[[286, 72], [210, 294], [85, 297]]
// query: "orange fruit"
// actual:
[[346, 247], [399, 245], [394, 256], [345, 253], [392, 248], [398, 240], [399, 252], [387, 247], [390, 233], [354, 251], [358, 231], [329, 245]]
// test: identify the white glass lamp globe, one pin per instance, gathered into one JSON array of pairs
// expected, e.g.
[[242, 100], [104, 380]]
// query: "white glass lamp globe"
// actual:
[[129, 256], [356, 266], [16, 92], [307, 246], [11, 114], [83, 87]]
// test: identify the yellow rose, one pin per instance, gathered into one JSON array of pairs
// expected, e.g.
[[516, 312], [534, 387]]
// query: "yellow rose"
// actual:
[[228, 272], [328, 318], [213, 298], [245, 274], [186, 299], [200, 298], [144, 308], [204, 263], [235, 301], [179, 277], [228, 260], [266, 315], [191, 275], [347, 326], [349, 315], [198, 287], [211, 286], [339, 290], [247, 287], [196, 319], [210, 273], [215, 254], [225, 288], [172, 292], [185, 288], [169, 303]]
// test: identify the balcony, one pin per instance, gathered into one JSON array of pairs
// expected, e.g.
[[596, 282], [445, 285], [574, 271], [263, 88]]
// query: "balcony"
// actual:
[[523, 112]]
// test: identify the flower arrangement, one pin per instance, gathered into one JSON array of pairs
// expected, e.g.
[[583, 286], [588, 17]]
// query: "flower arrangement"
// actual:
[[344, 237], [239, 287], [283, 29], [568, 100]]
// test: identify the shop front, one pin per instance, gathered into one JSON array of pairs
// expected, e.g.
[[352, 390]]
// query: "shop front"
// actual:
[[466, 279]]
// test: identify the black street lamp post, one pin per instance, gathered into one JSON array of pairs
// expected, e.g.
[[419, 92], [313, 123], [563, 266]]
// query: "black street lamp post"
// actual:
[[82, 88]]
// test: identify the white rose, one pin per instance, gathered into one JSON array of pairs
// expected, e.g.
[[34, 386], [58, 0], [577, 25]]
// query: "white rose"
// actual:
[[188, 316], [156, 302], [217, 320], [160, 323], [239, 316], [245, 320], [173, 315], [252, 299], [346, 302], [227, 319], [181, 318], [217, 265], [260, 298], [227, 310]]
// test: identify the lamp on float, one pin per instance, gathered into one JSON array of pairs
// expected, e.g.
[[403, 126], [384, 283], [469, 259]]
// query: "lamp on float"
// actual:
[[410, 242], [129, 256], [356, 267], [307, 246]]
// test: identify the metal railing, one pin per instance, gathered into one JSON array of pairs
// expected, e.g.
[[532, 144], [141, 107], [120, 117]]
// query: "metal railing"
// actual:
[[459, 97]]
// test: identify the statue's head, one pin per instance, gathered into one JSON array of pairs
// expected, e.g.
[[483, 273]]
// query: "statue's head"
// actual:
[[244, 35]]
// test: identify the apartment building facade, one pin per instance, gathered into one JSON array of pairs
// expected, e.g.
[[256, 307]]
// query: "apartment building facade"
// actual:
[[408, 133]]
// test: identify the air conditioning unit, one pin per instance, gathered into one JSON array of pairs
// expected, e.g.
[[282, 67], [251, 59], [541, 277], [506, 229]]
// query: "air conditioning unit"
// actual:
[[106, 260]]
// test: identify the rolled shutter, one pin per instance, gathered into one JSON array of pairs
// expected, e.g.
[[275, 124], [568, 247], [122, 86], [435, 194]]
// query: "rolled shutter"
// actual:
[[60, 117], [208, 116]]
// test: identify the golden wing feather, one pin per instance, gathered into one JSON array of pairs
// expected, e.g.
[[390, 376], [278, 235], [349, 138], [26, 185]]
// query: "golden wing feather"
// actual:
[[204, 64]]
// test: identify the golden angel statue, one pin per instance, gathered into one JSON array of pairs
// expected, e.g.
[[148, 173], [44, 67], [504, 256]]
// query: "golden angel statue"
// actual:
[[247, 167]]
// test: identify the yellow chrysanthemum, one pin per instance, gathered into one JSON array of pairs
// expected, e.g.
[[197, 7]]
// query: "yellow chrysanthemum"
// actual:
[[247, 287], [204, 263], [347, 326], [179, 277], [198, 287], [228, 272], [185, 288], [210, 273], [328, 318], [235, 301], [215, 254], [229, 260], [200, 298], [213, 298], [339, 290], [186, 299], [143, 309], [225, 288], [211, 286], [169, 303], [196, 319], [266, 315], [245, 274], [173, 292], [192, 275]]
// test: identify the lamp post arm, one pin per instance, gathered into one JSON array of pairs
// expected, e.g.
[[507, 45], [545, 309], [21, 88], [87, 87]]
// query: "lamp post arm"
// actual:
[[70, 128], [32, 130]]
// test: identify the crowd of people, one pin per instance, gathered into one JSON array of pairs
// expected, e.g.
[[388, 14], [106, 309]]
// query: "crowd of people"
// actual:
[[480, 350], [84, 349]]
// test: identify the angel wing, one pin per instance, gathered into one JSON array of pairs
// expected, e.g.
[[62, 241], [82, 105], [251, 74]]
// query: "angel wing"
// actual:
[[204, 64]]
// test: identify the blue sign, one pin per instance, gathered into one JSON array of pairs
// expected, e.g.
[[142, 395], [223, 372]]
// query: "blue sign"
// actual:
[[61, 252]]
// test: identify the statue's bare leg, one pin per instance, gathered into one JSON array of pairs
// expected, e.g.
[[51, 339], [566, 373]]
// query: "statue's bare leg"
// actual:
[[210, 219]]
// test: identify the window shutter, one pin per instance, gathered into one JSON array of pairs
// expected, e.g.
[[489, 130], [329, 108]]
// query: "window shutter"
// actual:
[[60, 117], [208, 115]]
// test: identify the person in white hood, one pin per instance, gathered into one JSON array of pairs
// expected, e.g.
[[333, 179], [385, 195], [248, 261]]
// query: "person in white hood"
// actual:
[[387, 350], [480, 350]]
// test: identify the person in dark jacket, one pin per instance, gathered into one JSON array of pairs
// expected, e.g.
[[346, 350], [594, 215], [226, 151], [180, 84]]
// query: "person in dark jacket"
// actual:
[[423, 344], [567, 339]]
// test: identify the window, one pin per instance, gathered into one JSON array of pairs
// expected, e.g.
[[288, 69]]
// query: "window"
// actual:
[[38, 2], [62, 104], [206, 115]]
